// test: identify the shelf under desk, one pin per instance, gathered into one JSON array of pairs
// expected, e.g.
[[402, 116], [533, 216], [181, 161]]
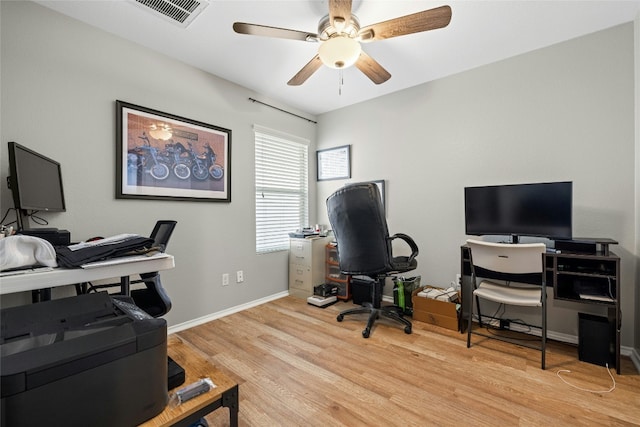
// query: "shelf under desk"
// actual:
[[225, 394]]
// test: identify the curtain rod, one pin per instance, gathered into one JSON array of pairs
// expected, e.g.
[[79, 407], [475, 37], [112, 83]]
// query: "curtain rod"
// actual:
[[284, 111]]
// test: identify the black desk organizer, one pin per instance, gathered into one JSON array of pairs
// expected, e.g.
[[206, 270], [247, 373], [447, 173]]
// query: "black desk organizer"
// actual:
[[175, 374]]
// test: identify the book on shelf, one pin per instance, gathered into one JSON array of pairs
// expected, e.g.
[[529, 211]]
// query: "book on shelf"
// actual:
[[447, 295], [595, 297], [594, 293]]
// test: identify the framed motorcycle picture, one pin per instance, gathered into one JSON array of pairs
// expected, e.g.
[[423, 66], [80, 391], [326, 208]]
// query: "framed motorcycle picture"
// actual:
[[164, 156]]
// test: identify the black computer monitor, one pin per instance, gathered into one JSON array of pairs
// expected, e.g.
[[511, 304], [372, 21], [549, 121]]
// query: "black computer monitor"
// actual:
[[539, 209], [36, 183]]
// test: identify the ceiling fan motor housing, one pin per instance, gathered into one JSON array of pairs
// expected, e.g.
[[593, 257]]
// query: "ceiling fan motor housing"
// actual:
[[327, 31]]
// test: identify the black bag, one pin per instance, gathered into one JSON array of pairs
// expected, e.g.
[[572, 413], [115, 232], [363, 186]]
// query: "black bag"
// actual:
[[402, 291], [134, 245]]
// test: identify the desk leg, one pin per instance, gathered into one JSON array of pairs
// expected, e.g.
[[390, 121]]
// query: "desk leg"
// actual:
[[40, 295], [125, 286], [230, 400], [81, 288]]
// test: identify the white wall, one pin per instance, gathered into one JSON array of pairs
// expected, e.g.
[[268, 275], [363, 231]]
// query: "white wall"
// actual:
[[561, 113], [637, 225], [60, 80]]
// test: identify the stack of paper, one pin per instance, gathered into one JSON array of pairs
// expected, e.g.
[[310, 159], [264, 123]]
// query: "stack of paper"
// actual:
[[448, 294]]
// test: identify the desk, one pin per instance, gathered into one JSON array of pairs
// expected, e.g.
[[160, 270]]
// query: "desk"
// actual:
[[121, 267], [571, 275], [196, 367]]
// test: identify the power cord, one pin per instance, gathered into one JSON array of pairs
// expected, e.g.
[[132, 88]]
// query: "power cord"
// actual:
[[613, 387], [5, 216], [610, 293], [35, 218], [38, 219]]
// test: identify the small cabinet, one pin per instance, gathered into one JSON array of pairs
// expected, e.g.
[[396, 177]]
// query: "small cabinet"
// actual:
[[333, 276], [306, 265]]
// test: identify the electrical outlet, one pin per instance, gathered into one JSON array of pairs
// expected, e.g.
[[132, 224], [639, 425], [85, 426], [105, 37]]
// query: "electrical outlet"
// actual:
[[225, 279], [239, 276]]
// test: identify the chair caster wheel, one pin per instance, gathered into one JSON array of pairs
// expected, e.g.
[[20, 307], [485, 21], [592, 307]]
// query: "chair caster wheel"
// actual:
[[365, 333], [407, 329], [339, 317]]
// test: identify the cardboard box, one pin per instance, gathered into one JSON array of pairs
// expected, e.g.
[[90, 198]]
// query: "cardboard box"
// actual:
[[439, 313]]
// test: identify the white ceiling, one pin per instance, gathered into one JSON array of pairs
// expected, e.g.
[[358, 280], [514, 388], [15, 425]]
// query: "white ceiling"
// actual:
[[480, 32]]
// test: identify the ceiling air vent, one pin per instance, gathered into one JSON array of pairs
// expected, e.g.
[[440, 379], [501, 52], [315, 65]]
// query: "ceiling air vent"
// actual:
[[180, 12]]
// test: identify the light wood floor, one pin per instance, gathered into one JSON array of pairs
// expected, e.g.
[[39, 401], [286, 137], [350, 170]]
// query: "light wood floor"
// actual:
[[296, 366]]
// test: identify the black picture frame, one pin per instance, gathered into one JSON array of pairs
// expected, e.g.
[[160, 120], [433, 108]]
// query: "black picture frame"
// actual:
[[161, 156], [383, 195], [334, 163]]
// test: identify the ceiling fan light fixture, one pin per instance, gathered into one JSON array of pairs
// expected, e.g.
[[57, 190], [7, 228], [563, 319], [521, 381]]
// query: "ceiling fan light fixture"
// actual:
[[339, 52]]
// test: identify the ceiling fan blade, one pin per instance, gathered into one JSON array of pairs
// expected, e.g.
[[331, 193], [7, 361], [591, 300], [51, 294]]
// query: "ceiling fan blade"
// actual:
[[372, 69], [417, 22], [306, 72], [282, 33], [339, 13]]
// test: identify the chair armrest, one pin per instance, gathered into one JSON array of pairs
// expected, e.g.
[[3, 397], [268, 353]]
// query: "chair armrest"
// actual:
[[410, 242]]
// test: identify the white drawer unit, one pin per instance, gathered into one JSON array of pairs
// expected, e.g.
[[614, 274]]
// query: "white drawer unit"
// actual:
[[306, 265]]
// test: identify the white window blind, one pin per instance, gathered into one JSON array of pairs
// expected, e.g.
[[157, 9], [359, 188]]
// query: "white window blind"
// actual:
[[282, 195]]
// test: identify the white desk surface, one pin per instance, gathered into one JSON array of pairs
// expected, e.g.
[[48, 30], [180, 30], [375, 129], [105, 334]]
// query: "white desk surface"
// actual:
[[120, 267]]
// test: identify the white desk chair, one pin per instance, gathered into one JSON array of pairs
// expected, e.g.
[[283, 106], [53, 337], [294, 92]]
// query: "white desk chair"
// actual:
[[509, 259]]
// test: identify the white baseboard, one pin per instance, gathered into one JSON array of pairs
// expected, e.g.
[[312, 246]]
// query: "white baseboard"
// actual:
[[635, 357], [204, 319], [570, 339]]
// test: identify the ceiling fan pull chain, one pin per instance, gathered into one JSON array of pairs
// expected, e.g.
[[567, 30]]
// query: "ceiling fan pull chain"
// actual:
[[340, 82]]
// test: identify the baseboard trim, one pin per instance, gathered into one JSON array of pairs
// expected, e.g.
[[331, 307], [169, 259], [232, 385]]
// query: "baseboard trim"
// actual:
[[204, 319], [635, 357], [566, 338]]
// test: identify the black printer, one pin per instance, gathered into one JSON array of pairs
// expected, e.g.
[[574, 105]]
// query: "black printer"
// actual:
[[88, 360]]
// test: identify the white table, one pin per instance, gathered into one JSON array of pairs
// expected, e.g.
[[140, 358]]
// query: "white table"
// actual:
[[118, 267]]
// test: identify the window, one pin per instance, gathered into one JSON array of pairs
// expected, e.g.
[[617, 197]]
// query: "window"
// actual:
[[282, 182]]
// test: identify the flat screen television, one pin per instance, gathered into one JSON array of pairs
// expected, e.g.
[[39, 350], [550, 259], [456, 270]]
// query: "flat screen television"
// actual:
[[36, 183], [540, 210]]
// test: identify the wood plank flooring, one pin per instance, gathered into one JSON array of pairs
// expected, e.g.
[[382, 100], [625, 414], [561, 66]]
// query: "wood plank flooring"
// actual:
[[297, 366]]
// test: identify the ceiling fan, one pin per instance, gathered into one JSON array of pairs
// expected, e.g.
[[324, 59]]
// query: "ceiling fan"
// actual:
[[340, 35]]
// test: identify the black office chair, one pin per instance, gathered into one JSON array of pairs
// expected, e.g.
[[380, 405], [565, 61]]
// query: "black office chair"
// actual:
[[162, 233], [153, 298], [364, 247]]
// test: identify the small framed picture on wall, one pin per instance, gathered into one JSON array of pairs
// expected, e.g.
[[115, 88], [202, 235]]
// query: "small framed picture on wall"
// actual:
[[334, 163]]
